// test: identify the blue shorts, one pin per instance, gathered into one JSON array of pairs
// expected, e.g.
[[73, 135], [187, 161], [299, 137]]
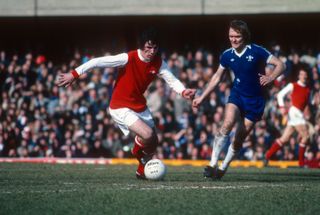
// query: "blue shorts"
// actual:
[[250, 108]]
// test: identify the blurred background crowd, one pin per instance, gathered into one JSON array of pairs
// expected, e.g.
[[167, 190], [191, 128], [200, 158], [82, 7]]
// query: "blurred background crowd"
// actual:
[[39, 119]]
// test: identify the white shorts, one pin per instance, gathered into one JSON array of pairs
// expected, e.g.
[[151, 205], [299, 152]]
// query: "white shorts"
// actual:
[[125, 117], [295, 117]]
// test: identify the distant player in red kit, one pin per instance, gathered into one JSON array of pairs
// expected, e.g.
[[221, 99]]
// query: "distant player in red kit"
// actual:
[[137, 69], [300, 93]]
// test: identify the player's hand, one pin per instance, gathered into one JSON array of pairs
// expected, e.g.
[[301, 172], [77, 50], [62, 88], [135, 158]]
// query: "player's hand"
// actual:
[[65, 79], [196, 102], [265, 79], [283, 111], [189, 93]]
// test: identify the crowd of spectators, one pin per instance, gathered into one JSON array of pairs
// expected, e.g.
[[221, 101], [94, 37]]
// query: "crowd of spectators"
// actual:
[[39, 119]]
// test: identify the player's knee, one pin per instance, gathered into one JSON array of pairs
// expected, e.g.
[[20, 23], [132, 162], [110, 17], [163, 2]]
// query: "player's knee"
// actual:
[[148, 135], [226, 127], [283, 140], [305, 135], [305, 139]]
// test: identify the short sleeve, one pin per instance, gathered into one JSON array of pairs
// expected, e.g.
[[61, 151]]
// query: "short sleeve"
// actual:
[[223, 60], [264, 54]]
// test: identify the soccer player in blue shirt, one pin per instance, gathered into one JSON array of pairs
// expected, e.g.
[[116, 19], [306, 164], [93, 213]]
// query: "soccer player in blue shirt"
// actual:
[[246, 102]]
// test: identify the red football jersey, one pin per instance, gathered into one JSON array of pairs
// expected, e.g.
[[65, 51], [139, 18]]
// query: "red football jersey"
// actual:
[[300, 96], [132, 81]]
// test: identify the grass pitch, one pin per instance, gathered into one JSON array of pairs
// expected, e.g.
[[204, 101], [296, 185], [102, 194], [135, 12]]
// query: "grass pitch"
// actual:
[[95, 189]]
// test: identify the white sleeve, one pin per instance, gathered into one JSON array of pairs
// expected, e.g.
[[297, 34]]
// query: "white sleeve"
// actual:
[[102, 62], [269, 58], [280, 97], [170, 79], [220, 66]]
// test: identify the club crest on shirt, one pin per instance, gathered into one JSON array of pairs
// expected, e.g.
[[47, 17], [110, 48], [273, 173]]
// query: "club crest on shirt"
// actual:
[[249, 58], [232, 59], [152, 72]]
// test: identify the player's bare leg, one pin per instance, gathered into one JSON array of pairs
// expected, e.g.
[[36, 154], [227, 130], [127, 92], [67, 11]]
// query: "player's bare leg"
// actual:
[[288, 131], [231, 114], [278, 143], [303, 133], [146, 142]]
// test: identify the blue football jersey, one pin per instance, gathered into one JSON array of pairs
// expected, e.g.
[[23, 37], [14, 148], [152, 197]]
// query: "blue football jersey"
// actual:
[[246, 66]]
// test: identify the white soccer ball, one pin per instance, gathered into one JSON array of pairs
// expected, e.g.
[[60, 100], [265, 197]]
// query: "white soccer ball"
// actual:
[[155, 169]]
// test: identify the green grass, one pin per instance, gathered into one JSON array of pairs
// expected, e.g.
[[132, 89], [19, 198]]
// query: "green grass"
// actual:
[[95, 189]]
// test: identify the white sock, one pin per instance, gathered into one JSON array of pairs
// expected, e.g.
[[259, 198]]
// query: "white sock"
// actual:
[[217, 146], [229, 157]]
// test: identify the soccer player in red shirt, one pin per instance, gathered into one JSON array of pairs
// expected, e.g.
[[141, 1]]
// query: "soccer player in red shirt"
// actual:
[[300, 93], [137, 69]]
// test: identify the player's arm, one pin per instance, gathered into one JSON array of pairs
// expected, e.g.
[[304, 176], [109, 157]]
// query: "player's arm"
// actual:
[[281, 95], [279, 68], [175, 83], [66, 79], [212, 84]]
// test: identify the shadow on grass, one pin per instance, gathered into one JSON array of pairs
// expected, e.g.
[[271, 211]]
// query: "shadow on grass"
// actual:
[[272, 177], [247, 175]]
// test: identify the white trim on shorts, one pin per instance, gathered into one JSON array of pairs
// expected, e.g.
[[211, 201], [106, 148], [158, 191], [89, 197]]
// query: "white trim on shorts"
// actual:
[[295, 117], [125, 117]]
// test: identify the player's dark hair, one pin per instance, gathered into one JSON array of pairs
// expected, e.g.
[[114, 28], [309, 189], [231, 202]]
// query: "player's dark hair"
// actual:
[[241, 27], [305, 68], [149, 34]]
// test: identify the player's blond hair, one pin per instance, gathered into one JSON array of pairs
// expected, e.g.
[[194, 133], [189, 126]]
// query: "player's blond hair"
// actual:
[[241, 27]]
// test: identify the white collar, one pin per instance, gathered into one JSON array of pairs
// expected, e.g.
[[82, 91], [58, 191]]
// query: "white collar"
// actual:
[[242, 52], [141, 57], [300, 83]]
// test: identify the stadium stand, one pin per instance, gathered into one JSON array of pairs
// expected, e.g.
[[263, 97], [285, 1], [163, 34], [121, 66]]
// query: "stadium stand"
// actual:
[[38, 119], [44, 37]]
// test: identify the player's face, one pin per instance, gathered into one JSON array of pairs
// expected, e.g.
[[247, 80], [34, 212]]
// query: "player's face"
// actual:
[[236, 39], [149, 50], [303, 76]]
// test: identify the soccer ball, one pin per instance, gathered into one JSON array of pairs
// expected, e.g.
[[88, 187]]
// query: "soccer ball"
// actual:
[[155, 169]]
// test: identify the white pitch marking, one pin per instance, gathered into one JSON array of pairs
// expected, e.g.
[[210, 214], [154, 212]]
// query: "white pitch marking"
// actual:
[[164, 187], [115, 186], [39, 191]]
